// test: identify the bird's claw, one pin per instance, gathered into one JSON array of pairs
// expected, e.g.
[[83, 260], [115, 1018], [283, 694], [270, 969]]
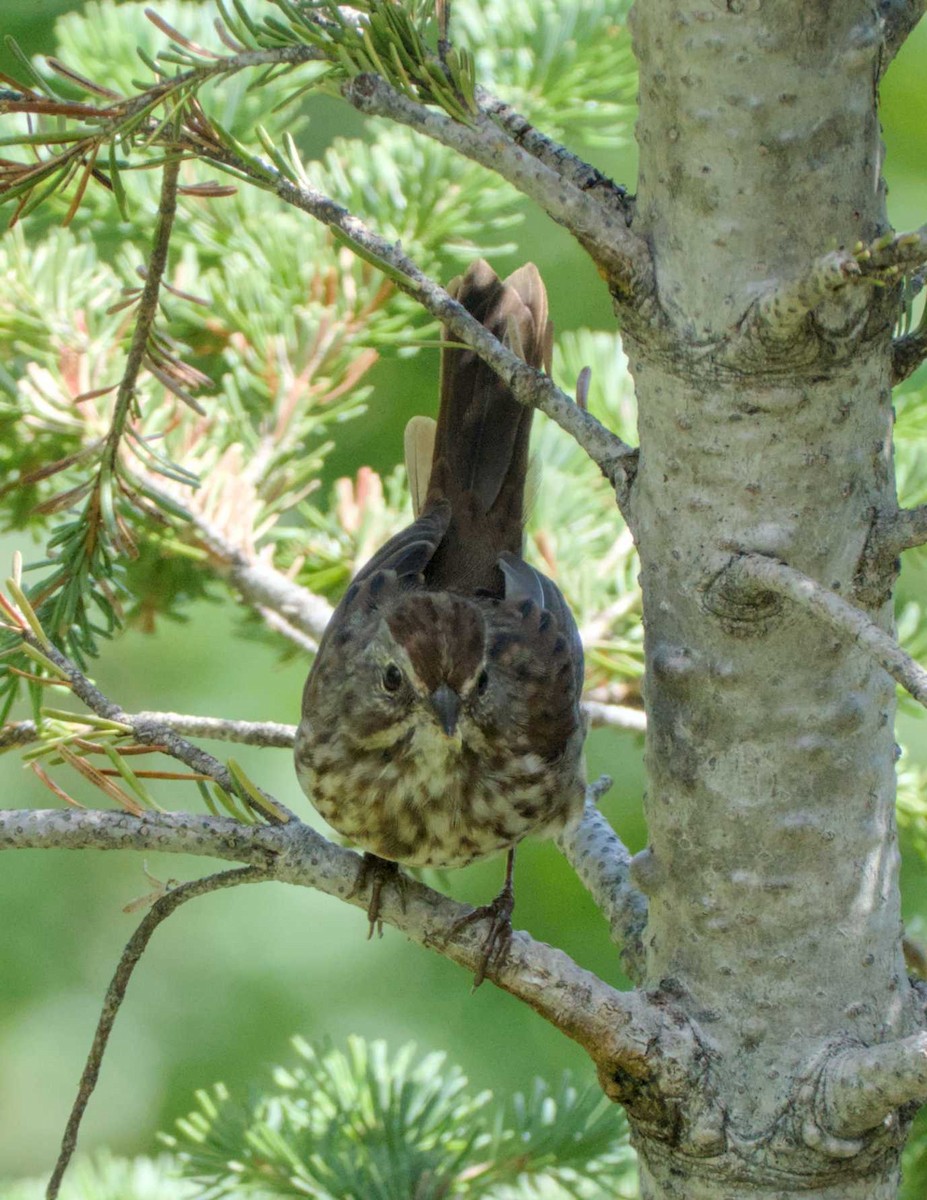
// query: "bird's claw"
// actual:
[[496, 945], [378, 872]]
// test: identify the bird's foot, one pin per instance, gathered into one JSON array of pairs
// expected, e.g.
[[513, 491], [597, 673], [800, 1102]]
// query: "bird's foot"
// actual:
[[496, 945], [377, 873]]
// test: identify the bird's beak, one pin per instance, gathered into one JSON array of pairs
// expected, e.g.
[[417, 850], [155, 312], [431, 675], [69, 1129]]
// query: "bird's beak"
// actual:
[[445, 704]]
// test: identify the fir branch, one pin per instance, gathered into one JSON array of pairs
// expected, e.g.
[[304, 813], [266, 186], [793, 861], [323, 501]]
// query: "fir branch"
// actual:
[[622, 1032], [17, 733], [270, 734], [148, 731], [573, 192], [614, 457], [322, 1124], [756, 573], [115, 993], [604, 234], [890, 534], [603, 863], [780, 312], [124, 121], [278, 624], [278, 736], [86, 546], [145, 317]]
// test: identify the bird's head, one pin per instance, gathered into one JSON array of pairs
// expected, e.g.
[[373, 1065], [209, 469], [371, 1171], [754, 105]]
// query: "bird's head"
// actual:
[[422, 671]]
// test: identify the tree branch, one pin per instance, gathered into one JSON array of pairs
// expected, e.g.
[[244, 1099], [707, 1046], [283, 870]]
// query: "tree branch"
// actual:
[[909, 528], [264, 588], [619, 1030], [615, 716], [890, 534], [278, 736], [612, 1027], [603, 862], [646, 1049], [908, 352], [863, 1086], [269, 734], [160, 910], [616, 459], [901, 530], [780, 312], [900, 17], [147, 312], [552, 154], [601, 231], [17, 733], [532, 387], [752, 571]]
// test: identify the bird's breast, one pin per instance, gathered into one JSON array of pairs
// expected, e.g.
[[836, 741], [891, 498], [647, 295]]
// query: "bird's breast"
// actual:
[[434, 801]]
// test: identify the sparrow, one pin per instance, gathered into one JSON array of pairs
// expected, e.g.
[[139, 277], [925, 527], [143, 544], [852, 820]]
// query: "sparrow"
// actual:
[[441, 719]]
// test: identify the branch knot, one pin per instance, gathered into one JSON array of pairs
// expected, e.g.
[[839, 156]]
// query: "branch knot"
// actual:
[[744, 607]]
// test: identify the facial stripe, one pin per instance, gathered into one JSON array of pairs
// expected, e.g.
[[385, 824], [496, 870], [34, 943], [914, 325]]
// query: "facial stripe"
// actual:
[[443, 636]]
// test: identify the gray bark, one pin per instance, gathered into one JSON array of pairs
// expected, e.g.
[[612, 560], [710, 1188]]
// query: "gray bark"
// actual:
[[774, 921]]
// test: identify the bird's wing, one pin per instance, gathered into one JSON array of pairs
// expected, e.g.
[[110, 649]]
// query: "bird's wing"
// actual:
[[397, 565], [410, 551], [523, 582]]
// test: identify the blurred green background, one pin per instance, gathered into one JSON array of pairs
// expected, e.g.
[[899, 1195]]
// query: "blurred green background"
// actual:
[[229, 979]]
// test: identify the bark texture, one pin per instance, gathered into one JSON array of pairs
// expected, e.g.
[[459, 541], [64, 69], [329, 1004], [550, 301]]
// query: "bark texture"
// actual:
[[772, 871]]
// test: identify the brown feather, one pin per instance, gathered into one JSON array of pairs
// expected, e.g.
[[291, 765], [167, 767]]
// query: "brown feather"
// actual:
[[419, 447], [481, 440]]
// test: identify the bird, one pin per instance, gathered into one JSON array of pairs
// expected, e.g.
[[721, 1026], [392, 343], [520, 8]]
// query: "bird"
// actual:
[[441, 719]]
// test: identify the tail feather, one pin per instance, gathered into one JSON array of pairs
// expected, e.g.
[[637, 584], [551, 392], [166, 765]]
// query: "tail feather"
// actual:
[[481, 441]]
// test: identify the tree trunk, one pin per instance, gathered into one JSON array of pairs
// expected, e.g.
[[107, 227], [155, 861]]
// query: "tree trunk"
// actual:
[[772, 868]]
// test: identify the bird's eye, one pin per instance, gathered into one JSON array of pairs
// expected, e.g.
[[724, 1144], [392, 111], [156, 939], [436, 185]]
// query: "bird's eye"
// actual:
[[392, 678], [482, 683]]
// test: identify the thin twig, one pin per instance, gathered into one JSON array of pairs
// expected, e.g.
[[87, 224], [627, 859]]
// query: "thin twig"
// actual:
[[146, 311], [850, 622], [278, 624], [271, 734], [264, 587], [17, 733], [278, 736], [115, 993]]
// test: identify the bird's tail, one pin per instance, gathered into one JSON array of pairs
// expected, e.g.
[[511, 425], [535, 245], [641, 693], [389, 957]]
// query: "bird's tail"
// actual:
[[480, 458]]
